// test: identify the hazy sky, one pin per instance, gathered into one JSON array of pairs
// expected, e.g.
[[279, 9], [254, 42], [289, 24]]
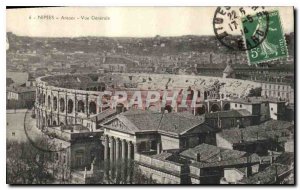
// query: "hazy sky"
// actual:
[[124, 21]]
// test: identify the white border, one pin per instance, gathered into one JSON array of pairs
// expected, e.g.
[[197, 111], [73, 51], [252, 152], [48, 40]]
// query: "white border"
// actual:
[[3, 5]]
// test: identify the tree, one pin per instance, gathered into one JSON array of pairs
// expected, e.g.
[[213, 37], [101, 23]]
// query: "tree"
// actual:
[[26, 164]]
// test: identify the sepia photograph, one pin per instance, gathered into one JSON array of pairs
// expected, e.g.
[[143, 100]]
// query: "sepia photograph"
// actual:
[[150, 95]]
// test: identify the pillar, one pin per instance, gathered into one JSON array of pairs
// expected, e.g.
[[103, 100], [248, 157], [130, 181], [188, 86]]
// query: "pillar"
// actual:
[[158, 148], [112, 148], [106, 146], [129, 147], [123, 149], [117, 149], [135, 150]]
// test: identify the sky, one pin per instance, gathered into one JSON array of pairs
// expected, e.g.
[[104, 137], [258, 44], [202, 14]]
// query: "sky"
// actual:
[[123, 21]]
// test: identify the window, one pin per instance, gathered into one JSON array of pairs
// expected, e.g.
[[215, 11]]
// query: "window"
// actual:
[[235, 105], [232, 122], [240, 105], [271, 109]]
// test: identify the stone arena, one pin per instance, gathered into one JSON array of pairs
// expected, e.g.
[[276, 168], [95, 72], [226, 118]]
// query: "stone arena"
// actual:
[[71, 99]]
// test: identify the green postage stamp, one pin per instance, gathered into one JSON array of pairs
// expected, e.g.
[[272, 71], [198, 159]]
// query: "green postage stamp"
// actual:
[[273, 46]]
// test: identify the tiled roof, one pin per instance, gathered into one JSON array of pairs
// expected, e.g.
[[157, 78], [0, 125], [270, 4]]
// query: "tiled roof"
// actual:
[[104, 115], [255, 100], [227, 163], [20, 89], [168, 122], [266, 176], [175, 123], [267, 130], [211, 153], [230, 113]]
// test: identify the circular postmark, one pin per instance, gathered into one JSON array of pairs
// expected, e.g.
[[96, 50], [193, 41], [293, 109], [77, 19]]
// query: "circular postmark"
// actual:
[[241, 28]]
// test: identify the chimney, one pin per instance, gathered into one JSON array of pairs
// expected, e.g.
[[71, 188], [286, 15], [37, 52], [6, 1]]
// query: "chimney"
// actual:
[[248, 168], [119, 108], [271, 158], [220, 156], [198, 157], [242, 137], [276, 174]]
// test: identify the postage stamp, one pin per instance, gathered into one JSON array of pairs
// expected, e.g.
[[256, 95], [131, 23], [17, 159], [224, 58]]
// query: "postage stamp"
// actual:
[[273, 46], [229, 30]]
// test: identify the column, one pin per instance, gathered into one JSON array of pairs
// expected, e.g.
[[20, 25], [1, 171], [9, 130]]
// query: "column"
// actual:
[[106, 146], [123, 149], [129, 147], [135, 149], [117, 149], [112, 148], [158, 148]]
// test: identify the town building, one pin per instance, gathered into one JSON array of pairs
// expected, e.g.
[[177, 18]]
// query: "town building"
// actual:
[[138, 131], [75, 148], [18, 97], [270, 135], [230, 119]]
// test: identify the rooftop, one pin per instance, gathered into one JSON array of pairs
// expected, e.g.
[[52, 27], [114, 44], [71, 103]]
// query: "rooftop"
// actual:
[[20, 89], [175, 123], [230, 113], [255, 100], [267, 130], [266, 176], [211, 153]]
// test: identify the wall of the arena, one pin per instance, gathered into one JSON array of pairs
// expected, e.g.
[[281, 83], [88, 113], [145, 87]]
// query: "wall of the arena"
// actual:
[[61, 106]]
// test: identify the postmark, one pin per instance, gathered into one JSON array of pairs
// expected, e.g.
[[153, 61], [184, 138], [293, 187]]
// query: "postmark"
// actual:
[[229, 27], [273, 46]]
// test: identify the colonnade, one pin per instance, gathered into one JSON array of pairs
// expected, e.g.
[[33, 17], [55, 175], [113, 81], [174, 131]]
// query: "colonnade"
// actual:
[[116, 148]]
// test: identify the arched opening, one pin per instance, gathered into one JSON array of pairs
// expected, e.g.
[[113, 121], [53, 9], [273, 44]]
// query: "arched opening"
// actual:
[[54, 123], [205, 95], [55, 103], [70, 106], [226, 106], [200, 110], [40, 98], [44, 99], [168, 108], [62, 105], [61, 124], [92, 108], [49, 122], [215, 108], [80, 106], [49, 101]]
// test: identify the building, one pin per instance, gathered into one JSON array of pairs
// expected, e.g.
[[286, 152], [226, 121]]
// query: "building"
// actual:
[[230, 119], [164, 168], [18, 97], [262, 108], [76, 147], [278, 90], [209, 164], [202, 164], [138, 131], [270, 135]]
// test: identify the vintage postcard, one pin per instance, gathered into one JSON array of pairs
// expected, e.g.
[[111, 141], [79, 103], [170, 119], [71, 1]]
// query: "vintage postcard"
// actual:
[[150, 95]]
